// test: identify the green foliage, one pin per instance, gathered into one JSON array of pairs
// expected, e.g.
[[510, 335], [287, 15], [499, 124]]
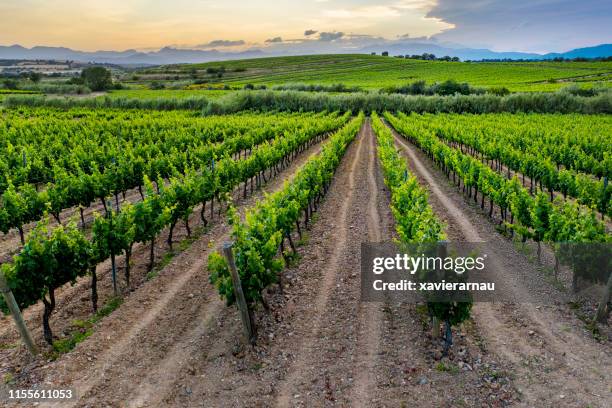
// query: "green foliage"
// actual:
[[154, 145], [314, 87], [534, 218], [374, 72], [34, 76], [292, 101], [84, 329], [564, 153], [97, 78], [448, 87], [377, 102], [258, 238], [50, 259], [415, 220]]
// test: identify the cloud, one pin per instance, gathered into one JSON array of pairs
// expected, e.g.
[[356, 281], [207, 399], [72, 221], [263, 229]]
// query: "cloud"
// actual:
[[380, 11], [527, 25], [274, 40], [223, 43], [331, 36], [371, 12], [310, 32]]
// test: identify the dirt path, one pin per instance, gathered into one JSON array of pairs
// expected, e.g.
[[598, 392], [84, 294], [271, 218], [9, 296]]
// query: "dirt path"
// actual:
[[554, 359], [369, 313], [291, 389]]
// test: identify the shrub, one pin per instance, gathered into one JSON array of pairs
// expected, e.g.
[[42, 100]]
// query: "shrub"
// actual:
[[576, 90], [499, 91], [156, 85], [10, 84], [316, 88], [449, 87], [59, 88], [369, 102], [560, 102]]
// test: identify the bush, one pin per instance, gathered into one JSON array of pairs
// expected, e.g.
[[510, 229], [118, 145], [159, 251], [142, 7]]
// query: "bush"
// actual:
[[65, 88], [290, 101], [156, 85], [499, 91], [213, 70], [576, 90], [369, 102], [193, 103], [450, 87], [10, 84], [35, 77], [316, 88]]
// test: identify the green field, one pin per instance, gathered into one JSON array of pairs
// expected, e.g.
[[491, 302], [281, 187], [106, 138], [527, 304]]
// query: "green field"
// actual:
[[373, 72], [166, 93]]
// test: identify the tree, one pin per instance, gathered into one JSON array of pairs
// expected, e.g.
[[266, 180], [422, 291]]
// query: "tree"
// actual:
[[97, 78], [35, 77]]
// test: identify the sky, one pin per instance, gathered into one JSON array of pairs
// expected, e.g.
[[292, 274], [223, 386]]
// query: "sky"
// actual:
[[500, 25]]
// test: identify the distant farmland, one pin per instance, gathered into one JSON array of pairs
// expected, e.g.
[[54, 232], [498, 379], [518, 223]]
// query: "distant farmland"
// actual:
[[372, 72]]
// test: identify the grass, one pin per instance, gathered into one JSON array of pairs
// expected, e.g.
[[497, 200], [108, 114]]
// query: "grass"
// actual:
[[8, 379], [292, 258], [497, 374], [7, 346], [83, 328], [374, 72], [17, 92], [166, 259], [447, 368]]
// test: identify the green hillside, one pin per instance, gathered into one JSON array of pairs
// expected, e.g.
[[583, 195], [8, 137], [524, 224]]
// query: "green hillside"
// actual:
[[373, 72]]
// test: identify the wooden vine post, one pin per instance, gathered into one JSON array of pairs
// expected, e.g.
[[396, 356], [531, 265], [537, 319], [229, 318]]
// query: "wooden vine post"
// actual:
[[17, 316], [245, 313], [112, 251]]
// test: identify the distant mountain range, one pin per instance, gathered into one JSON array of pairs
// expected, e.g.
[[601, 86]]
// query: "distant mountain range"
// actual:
[[166, 55], [171, 55]]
